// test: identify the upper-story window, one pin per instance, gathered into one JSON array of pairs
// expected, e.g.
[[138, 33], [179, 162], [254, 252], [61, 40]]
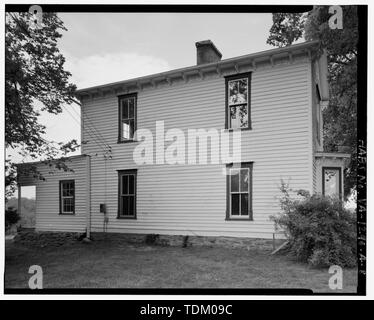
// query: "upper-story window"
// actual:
[[238, 112], [127, 117]]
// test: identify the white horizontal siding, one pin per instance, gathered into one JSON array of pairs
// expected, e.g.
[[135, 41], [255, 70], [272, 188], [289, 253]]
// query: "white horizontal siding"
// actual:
[[47, 197], [191, 199]]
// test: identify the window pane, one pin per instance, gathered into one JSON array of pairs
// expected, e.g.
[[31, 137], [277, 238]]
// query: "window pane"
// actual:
[[332, 182], [242, 95], [68, 204], [238, 91], [131, 184], [238, 117], [131, 210], [244, 180], [131, 107], [132, 129], [125, 184], [235, 204], [234, 175], [64, 190], [67, 189], [124, 205], [70, 191], [233, 90], [244, 204], [125, 112], [125, 129]]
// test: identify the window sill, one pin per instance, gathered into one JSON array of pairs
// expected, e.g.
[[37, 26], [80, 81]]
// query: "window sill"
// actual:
[[66, 214], [239, 219], [127, 218], [237, 129], [126, 141]]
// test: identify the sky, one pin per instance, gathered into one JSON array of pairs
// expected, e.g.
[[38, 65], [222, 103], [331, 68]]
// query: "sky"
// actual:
[[106, 47]]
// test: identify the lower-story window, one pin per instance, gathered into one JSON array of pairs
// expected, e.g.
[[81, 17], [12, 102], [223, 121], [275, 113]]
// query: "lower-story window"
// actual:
[[67, 197], [239, 191], [127, 194], [331, 182]]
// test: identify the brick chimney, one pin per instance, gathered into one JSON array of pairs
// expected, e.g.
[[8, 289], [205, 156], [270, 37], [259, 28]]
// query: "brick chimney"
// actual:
[[207, 52]]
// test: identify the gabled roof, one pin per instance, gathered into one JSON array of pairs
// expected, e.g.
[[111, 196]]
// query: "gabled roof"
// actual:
[[269, 56]]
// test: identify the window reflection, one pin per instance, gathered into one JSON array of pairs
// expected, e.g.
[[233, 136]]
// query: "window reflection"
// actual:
[[331, 182]]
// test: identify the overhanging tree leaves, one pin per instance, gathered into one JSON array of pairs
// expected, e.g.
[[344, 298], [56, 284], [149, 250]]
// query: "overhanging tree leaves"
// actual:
[[34, 72], [340, 117]]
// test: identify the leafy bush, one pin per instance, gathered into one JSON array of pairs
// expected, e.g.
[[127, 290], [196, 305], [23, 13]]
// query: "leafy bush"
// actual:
[[11, 217], [319, 229]]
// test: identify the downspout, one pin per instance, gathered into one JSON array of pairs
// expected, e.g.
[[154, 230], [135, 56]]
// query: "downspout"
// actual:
[[88, 196]]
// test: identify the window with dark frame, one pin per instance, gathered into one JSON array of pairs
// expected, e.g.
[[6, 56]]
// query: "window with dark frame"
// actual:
[[238, 101], [239, 191], [127, 193], [127, 117], [67, 197]]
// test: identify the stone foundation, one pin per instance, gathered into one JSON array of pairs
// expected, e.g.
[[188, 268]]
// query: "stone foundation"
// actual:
[[67, 238], [44, 238]]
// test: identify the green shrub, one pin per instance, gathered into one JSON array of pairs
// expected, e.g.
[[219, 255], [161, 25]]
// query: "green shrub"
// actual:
[[11, 217], [319, 229]]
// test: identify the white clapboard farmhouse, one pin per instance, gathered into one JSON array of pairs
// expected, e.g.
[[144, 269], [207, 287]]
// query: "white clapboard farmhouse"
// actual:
[[271, 99]]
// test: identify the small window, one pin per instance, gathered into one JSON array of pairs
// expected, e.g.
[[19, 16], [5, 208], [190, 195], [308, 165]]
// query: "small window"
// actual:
[[239, 191], [331, 182], [127, 194], [238, 102], [127, 117], [67, 197]]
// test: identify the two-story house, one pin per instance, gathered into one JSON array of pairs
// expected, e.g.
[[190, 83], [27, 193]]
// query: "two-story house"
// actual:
[[168, 180]]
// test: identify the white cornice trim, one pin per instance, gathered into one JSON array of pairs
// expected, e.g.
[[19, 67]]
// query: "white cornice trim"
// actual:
[[267, 57]]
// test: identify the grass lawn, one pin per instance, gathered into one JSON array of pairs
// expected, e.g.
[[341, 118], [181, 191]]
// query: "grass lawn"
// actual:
[[103, 265]]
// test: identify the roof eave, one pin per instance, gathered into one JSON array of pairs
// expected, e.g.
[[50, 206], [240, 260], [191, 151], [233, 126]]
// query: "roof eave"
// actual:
[[182, 72]]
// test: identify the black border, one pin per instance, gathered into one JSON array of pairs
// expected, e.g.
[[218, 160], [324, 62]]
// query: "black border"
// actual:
[[362, 11], [182, 8], [361, 136]]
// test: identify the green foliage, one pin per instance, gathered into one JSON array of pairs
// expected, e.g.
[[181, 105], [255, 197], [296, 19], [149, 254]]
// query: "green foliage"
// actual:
[[34, 75], [11, 217], [340, 117], [319, 230]]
